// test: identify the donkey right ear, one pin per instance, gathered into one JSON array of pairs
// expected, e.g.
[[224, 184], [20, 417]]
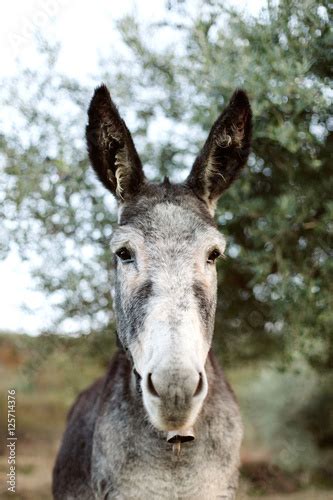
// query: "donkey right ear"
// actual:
[[111, 149]]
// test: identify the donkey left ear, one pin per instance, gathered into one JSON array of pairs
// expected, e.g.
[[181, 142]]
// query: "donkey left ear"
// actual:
[[225, 151], [111, 148]]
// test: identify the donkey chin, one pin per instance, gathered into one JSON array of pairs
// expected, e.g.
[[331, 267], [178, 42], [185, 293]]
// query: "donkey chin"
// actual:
[[173, 400]]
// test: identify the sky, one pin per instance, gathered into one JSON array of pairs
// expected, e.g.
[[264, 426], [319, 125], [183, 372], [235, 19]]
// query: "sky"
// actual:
[[83, 28]]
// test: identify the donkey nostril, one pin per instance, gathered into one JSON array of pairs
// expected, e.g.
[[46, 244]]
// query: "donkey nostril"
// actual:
[[151, 387], [199, 386]]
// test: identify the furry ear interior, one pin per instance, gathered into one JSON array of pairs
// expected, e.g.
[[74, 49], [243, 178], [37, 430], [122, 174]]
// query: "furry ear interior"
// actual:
[[110, 146], [225, 151]]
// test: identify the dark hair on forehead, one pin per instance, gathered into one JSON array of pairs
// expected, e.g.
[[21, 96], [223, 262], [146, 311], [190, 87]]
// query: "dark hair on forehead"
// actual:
[[150, 194]]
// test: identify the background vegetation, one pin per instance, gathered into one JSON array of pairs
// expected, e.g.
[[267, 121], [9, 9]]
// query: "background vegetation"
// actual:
[[170, 80]]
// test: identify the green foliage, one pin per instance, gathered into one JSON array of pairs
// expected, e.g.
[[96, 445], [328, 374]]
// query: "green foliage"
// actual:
[[296, 424], [275, 286]]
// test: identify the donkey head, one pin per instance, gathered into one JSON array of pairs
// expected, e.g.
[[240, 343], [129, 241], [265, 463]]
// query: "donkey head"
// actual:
[[165, 249]]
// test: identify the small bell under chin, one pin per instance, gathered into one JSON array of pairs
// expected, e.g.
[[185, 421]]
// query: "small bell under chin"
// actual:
[[181, 436]]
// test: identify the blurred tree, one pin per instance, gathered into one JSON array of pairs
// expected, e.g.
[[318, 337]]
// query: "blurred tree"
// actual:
[[170, 83]]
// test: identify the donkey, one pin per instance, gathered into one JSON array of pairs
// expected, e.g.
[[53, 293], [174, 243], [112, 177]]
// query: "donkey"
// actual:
[[163, 423]]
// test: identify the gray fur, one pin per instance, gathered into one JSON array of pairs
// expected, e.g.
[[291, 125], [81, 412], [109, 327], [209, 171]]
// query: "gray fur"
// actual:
[[132, 460], [166, 378]]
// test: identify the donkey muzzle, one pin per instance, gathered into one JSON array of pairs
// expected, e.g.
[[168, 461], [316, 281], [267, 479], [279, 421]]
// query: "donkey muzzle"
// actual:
[[179, 387], [175, 398]]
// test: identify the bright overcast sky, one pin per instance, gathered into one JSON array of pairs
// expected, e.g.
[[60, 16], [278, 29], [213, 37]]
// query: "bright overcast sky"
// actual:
[[83, 27]]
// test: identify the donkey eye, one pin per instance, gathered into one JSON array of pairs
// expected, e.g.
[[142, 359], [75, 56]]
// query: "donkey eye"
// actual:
[[124, 254], [213, 255]]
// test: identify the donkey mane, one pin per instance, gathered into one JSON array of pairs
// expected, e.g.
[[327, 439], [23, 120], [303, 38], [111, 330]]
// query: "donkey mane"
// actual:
[[152, 194]]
